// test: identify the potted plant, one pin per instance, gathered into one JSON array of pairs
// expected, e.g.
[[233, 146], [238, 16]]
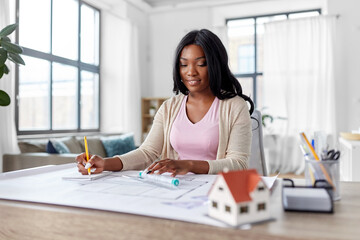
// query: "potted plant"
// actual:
[[9, 51], [152, 110]]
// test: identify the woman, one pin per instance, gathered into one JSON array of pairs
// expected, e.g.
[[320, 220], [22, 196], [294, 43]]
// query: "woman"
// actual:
[[204, 128]]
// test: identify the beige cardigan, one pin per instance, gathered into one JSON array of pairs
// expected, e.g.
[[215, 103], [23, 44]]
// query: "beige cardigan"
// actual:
[[234, 137]]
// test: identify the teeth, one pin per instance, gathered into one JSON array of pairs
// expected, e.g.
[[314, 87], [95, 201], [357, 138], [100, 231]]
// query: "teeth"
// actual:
[[193, 82]]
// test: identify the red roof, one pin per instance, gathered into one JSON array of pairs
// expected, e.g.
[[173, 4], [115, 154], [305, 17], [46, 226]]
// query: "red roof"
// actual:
[[241, 183]]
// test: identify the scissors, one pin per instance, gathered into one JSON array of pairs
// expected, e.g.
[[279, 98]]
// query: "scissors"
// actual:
[[331, 155]]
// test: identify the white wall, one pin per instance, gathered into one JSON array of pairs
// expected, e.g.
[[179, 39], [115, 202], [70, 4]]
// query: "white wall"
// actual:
[[347, 60], [166, 30]]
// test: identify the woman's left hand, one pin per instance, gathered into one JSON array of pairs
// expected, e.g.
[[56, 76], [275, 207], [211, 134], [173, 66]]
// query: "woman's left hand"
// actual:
[[175, 167]]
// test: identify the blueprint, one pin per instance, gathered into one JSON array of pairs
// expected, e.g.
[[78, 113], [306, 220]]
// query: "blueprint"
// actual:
[[116, 191]]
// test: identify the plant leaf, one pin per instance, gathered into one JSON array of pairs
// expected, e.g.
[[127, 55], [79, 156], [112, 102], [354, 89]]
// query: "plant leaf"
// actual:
[[2, 71], [4, 98], [6, 39], [16, 58], [8, 30], [11, 47], [6, 69], [3, 56]]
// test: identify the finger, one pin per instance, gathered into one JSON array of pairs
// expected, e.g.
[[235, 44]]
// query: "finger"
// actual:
[[88, 165], [80, 158], [91, 161], [97, 170], [164, 169], [157, 166], [82, 169], [150, 168]]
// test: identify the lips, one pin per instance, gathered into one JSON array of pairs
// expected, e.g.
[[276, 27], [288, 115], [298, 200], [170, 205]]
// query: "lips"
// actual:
[[193, 82]]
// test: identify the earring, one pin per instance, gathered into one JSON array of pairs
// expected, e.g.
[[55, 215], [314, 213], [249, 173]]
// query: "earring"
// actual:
[[181, 80]]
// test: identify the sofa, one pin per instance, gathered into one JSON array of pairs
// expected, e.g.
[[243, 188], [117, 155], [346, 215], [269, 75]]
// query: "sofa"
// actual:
[[37, 152]]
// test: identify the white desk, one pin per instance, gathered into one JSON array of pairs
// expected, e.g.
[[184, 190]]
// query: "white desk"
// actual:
[[350, 160]]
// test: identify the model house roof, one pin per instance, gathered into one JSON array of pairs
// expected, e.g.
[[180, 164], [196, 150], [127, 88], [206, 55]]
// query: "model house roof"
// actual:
[[241, 183]]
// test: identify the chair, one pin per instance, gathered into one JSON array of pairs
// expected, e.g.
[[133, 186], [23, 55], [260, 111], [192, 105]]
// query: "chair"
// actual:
[[257, 157]]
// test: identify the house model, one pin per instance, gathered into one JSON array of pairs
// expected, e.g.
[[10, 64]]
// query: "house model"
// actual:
[[239, 197]]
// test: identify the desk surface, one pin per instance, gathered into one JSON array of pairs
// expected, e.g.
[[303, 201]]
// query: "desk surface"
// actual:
[[22, 220]]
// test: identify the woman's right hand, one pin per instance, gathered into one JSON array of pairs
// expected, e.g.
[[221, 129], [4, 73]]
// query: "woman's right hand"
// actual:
[[96, 163]]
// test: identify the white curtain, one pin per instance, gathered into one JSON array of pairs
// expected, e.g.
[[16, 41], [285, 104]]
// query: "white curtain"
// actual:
[[298, 85], [120, 88], [8, 138], [130, 92]]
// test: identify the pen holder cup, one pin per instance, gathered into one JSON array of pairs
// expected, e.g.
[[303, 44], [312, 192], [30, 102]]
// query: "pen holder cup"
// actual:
[[324, 170]]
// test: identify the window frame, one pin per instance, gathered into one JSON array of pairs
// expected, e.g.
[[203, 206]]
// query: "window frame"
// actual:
[[257, 74], [78, 64]]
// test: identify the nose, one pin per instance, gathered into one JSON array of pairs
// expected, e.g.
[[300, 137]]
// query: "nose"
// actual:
[[192, 70]]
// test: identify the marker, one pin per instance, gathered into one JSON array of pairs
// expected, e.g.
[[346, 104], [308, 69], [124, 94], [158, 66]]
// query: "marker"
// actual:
[[159, 178], [87, 155]]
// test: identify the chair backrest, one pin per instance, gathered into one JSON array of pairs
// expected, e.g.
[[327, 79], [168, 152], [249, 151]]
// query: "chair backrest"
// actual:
[[257, 158]]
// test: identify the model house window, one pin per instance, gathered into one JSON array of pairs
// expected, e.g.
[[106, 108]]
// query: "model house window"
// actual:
[[221, 189], [58, 88], [214, 204], [246, 50], [261, 206], [243, 209], [261, 188], [227, 208]]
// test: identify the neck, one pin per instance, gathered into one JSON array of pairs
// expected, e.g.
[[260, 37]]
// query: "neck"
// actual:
[[201, 97]]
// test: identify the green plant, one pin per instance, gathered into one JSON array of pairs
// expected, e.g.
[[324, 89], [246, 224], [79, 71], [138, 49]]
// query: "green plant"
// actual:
[[264, 117], [9, 51]]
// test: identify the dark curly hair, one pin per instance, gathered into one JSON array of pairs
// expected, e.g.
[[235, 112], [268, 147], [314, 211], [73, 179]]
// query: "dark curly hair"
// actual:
[[223, 83]]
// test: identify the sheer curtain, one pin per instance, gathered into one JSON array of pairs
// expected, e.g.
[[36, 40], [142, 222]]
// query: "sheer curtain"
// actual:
[[299, 84], [120, 88], [8, 138], [130, 92]]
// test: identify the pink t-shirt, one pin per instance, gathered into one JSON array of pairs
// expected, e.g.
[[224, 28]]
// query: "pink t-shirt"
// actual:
[[196, 141]]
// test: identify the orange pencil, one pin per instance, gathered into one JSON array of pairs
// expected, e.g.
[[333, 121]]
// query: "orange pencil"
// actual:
[[87, 154]]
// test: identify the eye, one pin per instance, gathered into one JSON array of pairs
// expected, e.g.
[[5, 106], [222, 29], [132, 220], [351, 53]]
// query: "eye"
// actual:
[[182, 65], [202, 64]]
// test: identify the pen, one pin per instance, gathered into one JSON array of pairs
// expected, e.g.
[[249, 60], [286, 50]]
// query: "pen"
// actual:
[[87, 154], [304, 138]]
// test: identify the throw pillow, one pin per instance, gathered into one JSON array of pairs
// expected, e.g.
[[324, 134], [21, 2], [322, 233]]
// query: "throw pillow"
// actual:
[[27, 146], [60, 147], [50, 148], [72, 144], [117, 145]]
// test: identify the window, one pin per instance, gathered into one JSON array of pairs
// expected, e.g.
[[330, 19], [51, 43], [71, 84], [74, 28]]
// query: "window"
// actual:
[[58, 88], [261, 188], [214, 204], [261, 207], [227, 209], [243, 209], [221, 189], [246, 50]]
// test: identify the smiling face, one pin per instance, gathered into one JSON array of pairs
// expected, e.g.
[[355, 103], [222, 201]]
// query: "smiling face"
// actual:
[[194, 70]]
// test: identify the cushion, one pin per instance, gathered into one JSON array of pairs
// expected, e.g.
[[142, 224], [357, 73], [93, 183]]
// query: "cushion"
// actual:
[[117, 145], [60, 146], [27, 146], [72, 145], [50, 148], [95, 146]]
